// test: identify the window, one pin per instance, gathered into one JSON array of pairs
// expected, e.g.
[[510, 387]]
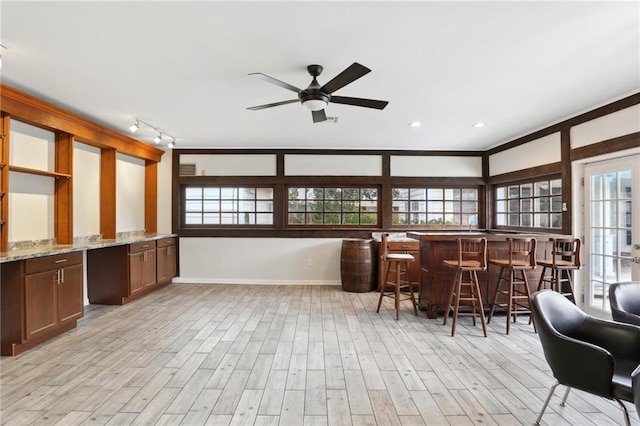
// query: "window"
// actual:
[[216, 205], [530, 205], [435, 206], [331, 206]]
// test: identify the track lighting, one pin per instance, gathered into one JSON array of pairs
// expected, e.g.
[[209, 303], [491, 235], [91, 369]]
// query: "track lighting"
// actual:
[[161, 134], [134, 127]]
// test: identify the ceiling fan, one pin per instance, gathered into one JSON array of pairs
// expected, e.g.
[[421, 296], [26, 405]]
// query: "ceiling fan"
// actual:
[[316, 97]]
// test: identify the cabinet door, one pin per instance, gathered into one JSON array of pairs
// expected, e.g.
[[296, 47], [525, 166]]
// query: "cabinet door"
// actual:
[[70, 303], [163, 267], [172, 262], [136, 264], [149, 268], [41, 303]]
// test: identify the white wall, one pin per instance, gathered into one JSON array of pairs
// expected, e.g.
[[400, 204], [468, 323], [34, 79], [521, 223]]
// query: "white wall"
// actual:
[[129, 193], [86, 190], [31, 197], [260, 260], [539, 152], [620, 123], [436, 166]]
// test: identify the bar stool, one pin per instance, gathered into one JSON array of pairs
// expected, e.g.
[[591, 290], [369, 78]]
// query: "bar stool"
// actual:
[[472, 257], [565, 256], [396, 264], [521, 257]]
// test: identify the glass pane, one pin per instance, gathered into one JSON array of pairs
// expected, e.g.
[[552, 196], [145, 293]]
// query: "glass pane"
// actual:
[[193, 219], [435, 207], [229, 206], [315, 194], [212, 193], [350, 218], [350, 206], [541, 188], [369, 194], [451, 194], [296, 193], [228, 193], [296, 219], [624, 212], [610, 186], [264, 193], [541, 220], [211, 219], [514, 205], [526, 205], [526, 190], [267, 206], [596, 214], [193, 206], [264, 219], [469, 206], [315, 206], [193, 193], [597, 241], [369, 206], [420, 193], [247, 206], [541, 204], [556, 204], [597, 183], [296, 206], [556, 220], [332, 206], [610, 242], [332, 193], [228, 219], [501, 206], [350, 194], [501, 192], [469, 194], [247, 219], [418, 206], [526, 220], [436, 219], [418, 219], [211, 206], [400, 193], [400, 219], [514, 220], [332, 218], [514, 191], [610, 218], [556, 187], [625, 270], [625, 184], [368, 219], [451, 207], [314, 218], [247, 193], [400, 206], [469, 219], [452, 219], [501, 219], [435, 194]]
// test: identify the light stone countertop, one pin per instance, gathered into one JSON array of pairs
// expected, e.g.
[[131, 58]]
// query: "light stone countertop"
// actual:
[[394, 237], [48, 250]]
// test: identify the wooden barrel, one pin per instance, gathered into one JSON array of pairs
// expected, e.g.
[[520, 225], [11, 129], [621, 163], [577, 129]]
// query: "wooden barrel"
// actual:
[[357, 265]]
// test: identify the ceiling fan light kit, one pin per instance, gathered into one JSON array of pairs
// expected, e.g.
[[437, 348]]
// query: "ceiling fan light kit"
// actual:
[[316, 97]]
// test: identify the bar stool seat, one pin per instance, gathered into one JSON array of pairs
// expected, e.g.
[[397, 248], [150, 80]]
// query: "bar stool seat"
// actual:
[[396, 284], [472, 257], [565, 257], [512, 286]]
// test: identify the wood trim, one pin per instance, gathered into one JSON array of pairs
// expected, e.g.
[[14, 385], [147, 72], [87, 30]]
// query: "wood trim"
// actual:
[[5, 124], [31, 171], [108, 193], [573, 121], [619, 143], [565, 173], [63, 204], [532, 172], [151, 196], [24, 107], [221, 151]]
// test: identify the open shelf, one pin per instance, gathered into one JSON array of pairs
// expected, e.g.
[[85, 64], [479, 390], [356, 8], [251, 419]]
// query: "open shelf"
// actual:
[[38, 172]]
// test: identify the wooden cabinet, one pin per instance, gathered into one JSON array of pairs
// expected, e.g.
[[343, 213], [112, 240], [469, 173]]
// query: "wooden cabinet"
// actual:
[[167, 260], [403, 247], [41, 298], [142, 266], [119, 274]]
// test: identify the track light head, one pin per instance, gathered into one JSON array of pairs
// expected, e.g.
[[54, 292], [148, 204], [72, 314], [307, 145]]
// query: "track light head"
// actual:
[[172, 144], [158, 138], [134, 127]]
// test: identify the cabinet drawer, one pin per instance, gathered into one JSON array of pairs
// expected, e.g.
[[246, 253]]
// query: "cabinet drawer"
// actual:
[[166, 242], [403, 246], [51, 263], [142, 246]]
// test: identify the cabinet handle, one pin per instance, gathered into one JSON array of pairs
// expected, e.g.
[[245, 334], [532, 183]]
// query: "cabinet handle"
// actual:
[[60, 261], [145, 246], [61, 276], [145, 256], [58, 276]]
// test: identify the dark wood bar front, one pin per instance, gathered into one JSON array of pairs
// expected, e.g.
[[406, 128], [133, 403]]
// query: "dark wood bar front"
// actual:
[[436, 279]]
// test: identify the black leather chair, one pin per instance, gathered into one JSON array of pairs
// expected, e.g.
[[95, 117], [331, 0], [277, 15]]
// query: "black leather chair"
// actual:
[[625, 302], [587, 353], [635, 377]]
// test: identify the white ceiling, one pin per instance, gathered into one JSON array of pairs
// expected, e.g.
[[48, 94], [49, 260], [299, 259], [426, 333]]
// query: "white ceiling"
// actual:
[[182, 66]]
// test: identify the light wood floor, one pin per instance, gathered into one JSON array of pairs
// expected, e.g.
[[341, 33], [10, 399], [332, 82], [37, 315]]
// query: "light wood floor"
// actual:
[[288, 355]]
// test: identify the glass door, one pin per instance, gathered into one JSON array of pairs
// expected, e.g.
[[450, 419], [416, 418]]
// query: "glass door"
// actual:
[[612, 222]]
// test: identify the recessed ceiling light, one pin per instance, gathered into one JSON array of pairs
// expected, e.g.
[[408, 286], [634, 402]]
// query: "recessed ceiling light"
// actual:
[[478, 124], [414, 124]]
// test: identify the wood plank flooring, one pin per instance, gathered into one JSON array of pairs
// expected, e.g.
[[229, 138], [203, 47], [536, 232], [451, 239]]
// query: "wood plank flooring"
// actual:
[[284, 355]]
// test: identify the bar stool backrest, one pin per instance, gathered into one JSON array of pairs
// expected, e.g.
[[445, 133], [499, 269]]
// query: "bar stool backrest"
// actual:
[[566, 252], [522, 251], [472, 252]]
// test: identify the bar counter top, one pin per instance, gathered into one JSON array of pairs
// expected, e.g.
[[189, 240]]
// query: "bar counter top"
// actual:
[[48, 250]]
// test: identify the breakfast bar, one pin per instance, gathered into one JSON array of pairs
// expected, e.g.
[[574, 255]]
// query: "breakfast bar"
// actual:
[[436, 279]]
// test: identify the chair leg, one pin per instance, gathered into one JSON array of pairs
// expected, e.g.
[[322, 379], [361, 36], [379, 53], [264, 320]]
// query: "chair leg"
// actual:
[[479, 301], [398, 277], [510, 308], [453, 286], [495, 296], [413, 297], [384, 286], [456, 308], [546, 402], [566, 395], [627, 422]]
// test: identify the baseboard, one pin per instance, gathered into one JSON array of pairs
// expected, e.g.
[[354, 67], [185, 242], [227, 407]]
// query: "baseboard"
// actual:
[[185, 280]]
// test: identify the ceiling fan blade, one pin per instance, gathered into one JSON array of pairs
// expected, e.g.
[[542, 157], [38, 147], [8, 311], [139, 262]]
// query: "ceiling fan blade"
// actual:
[[275, 104], [367, 103], [319, 116], [276, 81], [349, 75]]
